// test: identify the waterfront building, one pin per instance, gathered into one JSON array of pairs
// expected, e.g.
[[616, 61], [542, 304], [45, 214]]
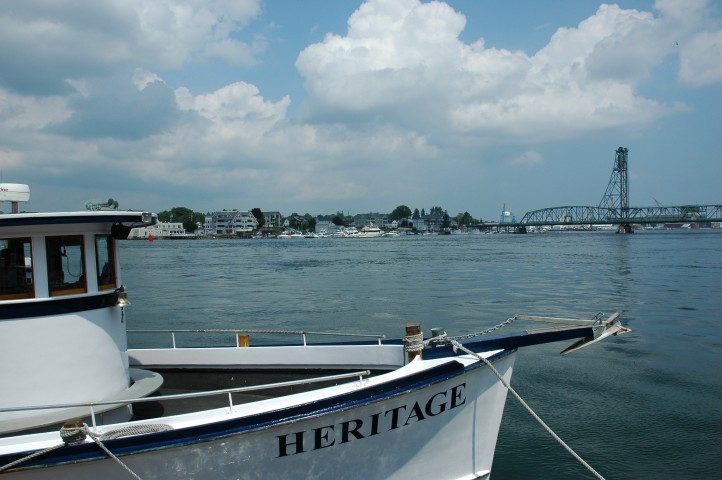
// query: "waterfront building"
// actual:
[[273, 219], [160, 230], [230, 222], [323, 226]]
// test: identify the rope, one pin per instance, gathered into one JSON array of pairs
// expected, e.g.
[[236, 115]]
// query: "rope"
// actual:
[[112, 455], [136, 430], [30, 457], [459, 346], [74, 433], [414, 343]]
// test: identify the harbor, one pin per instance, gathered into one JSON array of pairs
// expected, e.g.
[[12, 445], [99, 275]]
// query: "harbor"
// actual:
[[360, 240], [152, 411], [643, 406]]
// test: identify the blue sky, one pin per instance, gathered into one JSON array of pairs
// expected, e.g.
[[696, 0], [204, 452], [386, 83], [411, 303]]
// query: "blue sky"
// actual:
[[325, 106]]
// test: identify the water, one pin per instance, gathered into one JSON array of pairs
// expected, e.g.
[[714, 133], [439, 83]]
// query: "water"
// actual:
[[645, 405]]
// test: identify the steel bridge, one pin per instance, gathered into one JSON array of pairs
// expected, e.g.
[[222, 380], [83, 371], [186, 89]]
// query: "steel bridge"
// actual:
[[600, 215], [614, 208]]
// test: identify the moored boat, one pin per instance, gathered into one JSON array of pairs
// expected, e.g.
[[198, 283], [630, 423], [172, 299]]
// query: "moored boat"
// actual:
[[371, 230], [77, 402]]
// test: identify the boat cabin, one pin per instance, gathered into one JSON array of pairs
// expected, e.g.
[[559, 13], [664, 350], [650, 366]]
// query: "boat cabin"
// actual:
[[61, 308]]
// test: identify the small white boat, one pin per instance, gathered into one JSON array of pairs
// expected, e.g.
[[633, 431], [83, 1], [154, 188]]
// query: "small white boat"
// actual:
[[290, 234], [77, 403]]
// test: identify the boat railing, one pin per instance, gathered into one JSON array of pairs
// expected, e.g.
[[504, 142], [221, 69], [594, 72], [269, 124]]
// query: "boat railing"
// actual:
[[242, 336], [181, 396]]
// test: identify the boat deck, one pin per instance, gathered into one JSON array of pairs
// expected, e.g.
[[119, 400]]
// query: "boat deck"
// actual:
[[185, 381]]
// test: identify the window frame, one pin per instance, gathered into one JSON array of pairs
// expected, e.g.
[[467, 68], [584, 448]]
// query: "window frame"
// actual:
[[30, 293], [110, 261], [81, 286]]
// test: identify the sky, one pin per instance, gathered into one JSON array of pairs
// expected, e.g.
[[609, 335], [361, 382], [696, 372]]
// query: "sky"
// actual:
[[359, 106]]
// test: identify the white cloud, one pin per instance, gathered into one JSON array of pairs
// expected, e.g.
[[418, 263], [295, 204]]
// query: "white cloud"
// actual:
[[690, 29], [389, 100], [177, 30], [142, 78], [394, 53], [529, 158], [45, 44], [19, 113], [236, 111], [10, 158], [701, 59], [403, 61]]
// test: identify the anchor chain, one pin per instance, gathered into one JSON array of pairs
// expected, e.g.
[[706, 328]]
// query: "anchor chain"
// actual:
[[416, 342]]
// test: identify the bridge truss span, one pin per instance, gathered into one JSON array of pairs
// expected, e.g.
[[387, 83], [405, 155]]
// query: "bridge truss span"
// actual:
[[614, 207], [581, 215]]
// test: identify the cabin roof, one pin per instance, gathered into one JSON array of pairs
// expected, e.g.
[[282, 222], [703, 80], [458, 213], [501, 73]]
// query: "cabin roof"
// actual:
[[63, 218]]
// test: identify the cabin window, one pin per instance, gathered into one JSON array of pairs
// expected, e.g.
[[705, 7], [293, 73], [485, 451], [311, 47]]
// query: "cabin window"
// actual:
[[16, 269], [105, 262], [66, 265]]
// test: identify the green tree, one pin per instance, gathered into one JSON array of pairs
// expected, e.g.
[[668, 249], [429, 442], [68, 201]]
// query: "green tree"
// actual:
[[199, 218], [337, 220], [402, 211], [186, 216], [423, 213], [464, 219], [416, 214], [436, 211], [293, 220], [309, 222], [445, 221], [256, 212]]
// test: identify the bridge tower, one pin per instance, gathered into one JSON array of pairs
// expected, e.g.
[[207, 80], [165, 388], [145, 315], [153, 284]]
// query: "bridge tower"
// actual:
[[616, 198]]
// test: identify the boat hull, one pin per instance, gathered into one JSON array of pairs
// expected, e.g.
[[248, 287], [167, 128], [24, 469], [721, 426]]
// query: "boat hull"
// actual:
[[440, 422]]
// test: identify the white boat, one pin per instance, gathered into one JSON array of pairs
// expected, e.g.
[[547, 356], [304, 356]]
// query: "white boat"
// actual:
[[350, 232], [290, 234], [371, 230], [77, 403]]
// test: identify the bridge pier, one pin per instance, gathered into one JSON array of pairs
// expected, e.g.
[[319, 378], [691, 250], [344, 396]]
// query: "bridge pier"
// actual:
[[625, 228], [520, 229]]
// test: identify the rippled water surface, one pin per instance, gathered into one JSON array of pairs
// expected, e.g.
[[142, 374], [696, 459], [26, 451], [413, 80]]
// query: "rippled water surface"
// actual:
[[645, 405]]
